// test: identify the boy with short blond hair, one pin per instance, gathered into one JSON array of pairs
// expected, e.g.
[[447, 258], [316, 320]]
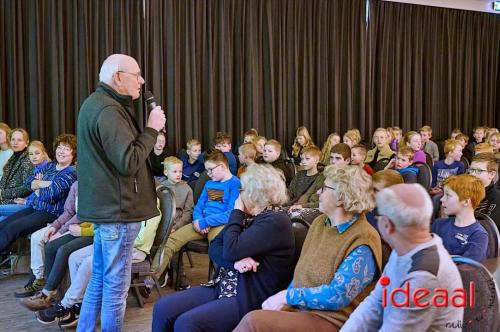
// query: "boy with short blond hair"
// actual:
[[478, 134], [449, 166], [222, 142], [192, 163], [271, 155], [305, 178], [429, 146], [246, 154], [358, 156], [461, 233]]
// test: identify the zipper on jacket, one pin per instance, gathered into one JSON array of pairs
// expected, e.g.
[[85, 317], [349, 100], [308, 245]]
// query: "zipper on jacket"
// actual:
[[135, 184]]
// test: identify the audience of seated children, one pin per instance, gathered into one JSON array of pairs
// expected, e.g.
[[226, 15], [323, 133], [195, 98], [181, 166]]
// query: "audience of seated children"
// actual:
[[158, 154], [450, 165], [222, 142], [494, 141], [15, 172], [358, 156], [51, 186], [66, 311], [183, 194], [403, 164], [418, 259], [351, 138], [332, 140], [260, 142], [246, 155], [428, 145], [478, 135], [304, 178], [272, 152], [398, 134], [461, 233], [381, 149], [302, 140], [192, 163], [341, 250], [254, 254], [485, 167], [210, 213], [414, 141], [5, 150]]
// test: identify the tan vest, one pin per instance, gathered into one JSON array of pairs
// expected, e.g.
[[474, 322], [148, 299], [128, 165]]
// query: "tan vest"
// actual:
[[324, 250]]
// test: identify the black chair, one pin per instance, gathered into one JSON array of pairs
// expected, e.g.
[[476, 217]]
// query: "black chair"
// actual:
[[493, 234], [424, 176], [198, 246], [466, 162], [300, 229], [142, 269], [200, 184], [291, 168], [428, 160], [483, 316], [181, 153], [381, 164]]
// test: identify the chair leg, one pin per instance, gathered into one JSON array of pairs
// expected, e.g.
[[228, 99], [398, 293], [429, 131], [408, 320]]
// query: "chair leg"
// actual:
[[178, 278], [138, 296], [190, 258], [157, 285], [210, 269]]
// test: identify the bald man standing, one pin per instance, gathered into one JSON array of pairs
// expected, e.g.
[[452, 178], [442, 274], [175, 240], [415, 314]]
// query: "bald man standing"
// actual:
[[418, 261], [116, 188]]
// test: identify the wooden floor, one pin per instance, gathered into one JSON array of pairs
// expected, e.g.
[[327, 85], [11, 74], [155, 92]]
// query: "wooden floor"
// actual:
[[15, 318]]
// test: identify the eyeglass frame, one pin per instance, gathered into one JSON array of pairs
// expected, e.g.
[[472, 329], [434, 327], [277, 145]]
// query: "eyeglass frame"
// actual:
[[324, 186], [137, 75], [477, 171], [211, 170]]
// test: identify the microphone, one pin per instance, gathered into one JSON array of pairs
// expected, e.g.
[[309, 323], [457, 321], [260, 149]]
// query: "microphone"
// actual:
[[150, 100]]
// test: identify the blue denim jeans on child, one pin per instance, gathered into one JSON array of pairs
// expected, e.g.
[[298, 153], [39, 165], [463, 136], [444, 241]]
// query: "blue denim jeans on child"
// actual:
[[111, 269]]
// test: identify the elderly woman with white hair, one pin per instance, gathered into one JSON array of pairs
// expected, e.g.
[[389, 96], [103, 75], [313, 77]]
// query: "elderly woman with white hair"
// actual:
[[338, 265], [254, 254]]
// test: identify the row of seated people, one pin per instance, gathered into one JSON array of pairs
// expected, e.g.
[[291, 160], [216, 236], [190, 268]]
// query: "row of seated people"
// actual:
[[311, 156]]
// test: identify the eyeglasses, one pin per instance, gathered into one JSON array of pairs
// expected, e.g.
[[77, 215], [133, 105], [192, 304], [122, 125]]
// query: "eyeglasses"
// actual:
[[476, 170], [210, 170], [137, 75], [64, 148], [322, 190]]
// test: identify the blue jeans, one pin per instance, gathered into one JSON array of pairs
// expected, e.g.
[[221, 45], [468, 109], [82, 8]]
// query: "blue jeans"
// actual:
[[111, 272], [8, 209], [195, 310]]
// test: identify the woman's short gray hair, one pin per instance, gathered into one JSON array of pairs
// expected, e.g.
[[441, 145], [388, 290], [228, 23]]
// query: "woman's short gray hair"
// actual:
[[263, 185], [353, 186], [413, 210]]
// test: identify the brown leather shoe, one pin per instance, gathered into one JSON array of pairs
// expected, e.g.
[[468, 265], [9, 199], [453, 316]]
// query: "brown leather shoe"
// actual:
[[37, 302]]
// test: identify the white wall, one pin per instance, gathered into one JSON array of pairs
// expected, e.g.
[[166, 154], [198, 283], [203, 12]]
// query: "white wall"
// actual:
[[474, 5]]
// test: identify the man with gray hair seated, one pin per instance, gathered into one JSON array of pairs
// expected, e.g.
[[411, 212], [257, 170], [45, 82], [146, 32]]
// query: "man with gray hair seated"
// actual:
[[410, 294]]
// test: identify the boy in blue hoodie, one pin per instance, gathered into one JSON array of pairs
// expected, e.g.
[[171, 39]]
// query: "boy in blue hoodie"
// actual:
[[211, 212], [402, 164]]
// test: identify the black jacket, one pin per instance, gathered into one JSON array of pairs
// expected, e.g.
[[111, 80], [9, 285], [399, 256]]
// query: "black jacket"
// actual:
[[15, 172], [490, 205], [115, 178]]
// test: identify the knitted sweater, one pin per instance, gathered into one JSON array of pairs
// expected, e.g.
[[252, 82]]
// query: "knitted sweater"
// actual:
[[15, 172], [299, 185], [324, 250], [310, 198]]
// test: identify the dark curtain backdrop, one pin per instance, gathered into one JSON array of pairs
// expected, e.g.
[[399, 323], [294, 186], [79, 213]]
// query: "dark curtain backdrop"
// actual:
[[273, 65], [50, 56], [435, 66]]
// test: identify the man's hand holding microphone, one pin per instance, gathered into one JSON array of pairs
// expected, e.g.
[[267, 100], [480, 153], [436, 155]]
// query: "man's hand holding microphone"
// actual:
[[156, 119]]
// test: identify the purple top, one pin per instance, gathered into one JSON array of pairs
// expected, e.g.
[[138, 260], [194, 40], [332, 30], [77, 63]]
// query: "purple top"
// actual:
[[419, 156], [68, 217]]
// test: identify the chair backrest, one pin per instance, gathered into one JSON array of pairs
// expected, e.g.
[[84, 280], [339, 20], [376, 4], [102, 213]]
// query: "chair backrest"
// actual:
[[167, 208], [493, 234], [380, 164], [300, 229], [291, 168], [200, 184], [182, 153], [428, 159], [483, 316], [465, 161], [424, 176]]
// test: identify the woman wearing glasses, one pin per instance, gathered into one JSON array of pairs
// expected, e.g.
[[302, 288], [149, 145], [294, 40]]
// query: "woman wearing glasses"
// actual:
[[338, 265], [254, 254]]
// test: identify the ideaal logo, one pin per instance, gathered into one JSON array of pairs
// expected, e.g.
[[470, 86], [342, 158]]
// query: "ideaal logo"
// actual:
[[439, 297]]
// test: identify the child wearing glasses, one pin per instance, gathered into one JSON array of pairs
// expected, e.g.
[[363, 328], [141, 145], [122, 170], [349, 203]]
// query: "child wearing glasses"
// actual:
[[461, 233], [485, 167], [211, 212]]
